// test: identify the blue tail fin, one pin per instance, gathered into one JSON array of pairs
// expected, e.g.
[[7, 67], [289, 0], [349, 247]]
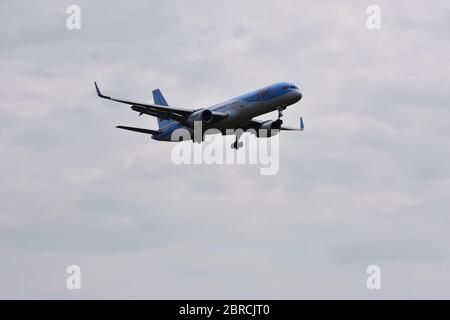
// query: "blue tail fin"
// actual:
[[158, 98]]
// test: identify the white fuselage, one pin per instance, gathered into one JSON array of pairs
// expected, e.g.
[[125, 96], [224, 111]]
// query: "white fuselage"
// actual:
[[244, 108]]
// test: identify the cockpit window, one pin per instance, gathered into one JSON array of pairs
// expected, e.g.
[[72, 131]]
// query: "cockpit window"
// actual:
[[289, 87]]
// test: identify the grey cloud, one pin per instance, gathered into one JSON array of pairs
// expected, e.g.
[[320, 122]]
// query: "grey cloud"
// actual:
[[366, 183]]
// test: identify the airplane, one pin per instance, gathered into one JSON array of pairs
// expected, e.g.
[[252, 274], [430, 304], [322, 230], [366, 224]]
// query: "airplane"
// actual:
[[227, 117]]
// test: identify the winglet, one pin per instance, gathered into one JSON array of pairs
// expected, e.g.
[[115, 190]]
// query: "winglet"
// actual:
[[99, 93], [302, 126]]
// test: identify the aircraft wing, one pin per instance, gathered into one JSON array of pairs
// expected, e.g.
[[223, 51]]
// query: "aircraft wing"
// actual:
[[163, 112], [256, 124]]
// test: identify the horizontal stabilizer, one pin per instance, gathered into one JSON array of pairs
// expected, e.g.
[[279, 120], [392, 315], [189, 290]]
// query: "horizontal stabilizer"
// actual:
[[147, 131]]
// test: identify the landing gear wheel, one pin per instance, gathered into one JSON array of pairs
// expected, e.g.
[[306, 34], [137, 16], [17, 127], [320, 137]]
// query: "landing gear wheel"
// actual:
[[237, 144]]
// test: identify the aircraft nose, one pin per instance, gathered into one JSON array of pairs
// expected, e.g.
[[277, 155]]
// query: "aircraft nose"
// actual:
[[298, 95]]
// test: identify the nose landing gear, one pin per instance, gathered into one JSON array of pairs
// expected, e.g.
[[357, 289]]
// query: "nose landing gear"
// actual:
[[280, 112]]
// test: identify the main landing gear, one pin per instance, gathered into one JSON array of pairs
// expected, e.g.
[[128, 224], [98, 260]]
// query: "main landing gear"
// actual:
[[237, 144]]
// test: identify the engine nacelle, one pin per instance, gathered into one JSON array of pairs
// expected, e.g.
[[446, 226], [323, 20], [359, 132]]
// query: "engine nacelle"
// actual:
[[206, 116], [269, 128], [203, 115]]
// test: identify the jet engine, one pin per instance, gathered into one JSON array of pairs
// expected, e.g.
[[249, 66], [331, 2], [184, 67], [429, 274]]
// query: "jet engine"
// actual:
[[269, 128], [206, 116]]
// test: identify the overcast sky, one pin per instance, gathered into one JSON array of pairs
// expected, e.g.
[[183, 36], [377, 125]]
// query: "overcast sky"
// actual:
[[366, 183]]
